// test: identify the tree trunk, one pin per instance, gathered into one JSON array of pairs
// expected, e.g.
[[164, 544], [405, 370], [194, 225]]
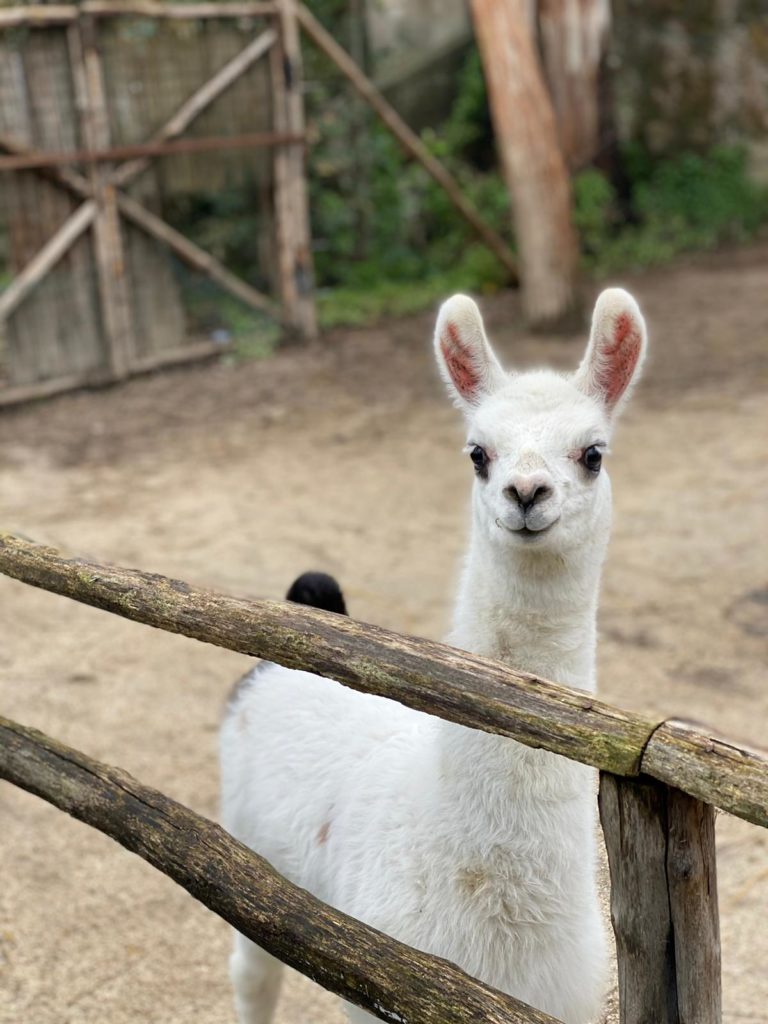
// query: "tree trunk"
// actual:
[[532, 162], [573, 36]]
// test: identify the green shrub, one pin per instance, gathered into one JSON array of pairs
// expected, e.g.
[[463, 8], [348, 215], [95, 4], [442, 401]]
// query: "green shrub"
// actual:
[[387, 238], [691, 201]]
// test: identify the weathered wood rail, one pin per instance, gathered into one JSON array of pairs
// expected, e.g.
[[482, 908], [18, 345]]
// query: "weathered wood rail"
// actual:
[[660, 781], [357, 962]]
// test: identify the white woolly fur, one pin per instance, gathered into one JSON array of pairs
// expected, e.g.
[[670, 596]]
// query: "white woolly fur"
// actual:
[[466, 845]]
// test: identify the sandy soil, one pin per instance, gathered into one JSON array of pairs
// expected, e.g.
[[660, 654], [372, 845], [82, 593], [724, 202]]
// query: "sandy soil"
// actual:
[[345, 457]]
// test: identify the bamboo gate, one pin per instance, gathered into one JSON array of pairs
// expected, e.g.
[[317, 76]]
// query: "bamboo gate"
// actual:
[[67, 177], [660, 782]]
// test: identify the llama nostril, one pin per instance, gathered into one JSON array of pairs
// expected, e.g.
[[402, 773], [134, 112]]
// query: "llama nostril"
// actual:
[[527, 497]]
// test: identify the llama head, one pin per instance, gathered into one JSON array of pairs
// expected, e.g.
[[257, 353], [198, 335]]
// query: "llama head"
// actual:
[[536, 440]]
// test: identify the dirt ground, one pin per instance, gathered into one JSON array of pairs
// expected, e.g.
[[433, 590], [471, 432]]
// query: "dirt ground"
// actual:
[[346, 457]]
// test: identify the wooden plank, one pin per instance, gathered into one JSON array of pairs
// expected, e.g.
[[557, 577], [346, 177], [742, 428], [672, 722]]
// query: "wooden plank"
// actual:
[[407, 138], [53, 250], [661, 854], [88, 78], [692, 882], [57, 333], [20, 395], [200, 145], [194, 255], [185, 354], [196, 352], [284, 278], [64, 176], [38, 15], [159, 320], [61, 14], [294, 246], [182, 11], [198, 101]]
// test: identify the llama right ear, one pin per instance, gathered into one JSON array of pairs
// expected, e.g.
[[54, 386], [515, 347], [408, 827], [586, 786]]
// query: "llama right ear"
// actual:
[[466, 360], [616, 350]]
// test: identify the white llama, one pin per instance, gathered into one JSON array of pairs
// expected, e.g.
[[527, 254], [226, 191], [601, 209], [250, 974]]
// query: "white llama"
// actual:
[[462, 844]]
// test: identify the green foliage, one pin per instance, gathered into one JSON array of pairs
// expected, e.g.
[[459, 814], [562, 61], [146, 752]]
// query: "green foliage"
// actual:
[[355, 306], [468, 132], [387, 240], [684, 203], [381, 217]]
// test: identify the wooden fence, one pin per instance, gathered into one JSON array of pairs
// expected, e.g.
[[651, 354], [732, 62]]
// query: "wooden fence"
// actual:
[[660, 781], [89, 104], [93, 295]]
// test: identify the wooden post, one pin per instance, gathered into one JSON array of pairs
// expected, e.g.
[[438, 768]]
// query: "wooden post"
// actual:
[[110, 253], [692, 881], [294, 245], [661, 854], [532, 162]]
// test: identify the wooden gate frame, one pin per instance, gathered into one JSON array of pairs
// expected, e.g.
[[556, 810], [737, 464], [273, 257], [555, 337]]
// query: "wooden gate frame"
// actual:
[[660, 781], [105, 202], [293, 234]]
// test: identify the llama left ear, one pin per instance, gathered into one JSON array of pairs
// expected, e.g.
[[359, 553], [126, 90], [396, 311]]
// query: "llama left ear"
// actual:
[[466, 360], [616, 349]]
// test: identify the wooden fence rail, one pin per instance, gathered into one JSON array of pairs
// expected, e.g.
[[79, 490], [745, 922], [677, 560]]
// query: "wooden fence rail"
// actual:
[[432, 677], [659, 783], [383, 976]]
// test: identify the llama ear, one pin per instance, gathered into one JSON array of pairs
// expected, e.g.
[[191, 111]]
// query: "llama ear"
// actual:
[[616, 349], [466, 360]]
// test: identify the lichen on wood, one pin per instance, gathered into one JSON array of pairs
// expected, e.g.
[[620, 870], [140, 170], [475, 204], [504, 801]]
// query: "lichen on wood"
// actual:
[[431, 677]]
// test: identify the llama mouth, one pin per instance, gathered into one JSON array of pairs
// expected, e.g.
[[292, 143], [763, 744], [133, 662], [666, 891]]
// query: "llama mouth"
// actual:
[[525, 532]]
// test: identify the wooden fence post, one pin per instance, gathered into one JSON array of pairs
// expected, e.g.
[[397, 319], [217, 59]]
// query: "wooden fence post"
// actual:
[[294, 245], [661, 854], [117, 313]]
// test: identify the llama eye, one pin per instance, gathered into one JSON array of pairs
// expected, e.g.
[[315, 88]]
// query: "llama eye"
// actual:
[[479, 458], [592, 459]]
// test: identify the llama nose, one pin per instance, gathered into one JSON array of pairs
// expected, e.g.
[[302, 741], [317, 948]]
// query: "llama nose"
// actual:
[[528, 491]]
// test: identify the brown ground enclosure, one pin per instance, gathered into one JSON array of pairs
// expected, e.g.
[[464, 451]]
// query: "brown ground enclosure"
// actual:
[[345, 456]]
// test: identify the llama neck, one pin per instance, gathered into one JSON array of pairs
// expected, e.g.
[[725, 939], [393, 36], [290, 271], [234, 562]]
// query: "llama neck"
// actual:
[[536, 612]]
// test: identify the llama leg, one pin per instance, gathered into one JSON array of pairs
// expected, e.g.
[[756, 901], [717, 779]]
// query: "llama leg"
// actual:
[[256, 978]]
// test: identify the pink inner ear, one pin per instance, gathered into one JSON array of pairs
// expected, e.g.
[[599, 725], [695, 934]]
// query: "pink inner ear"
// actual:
[[459, 362], [619, 359]]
